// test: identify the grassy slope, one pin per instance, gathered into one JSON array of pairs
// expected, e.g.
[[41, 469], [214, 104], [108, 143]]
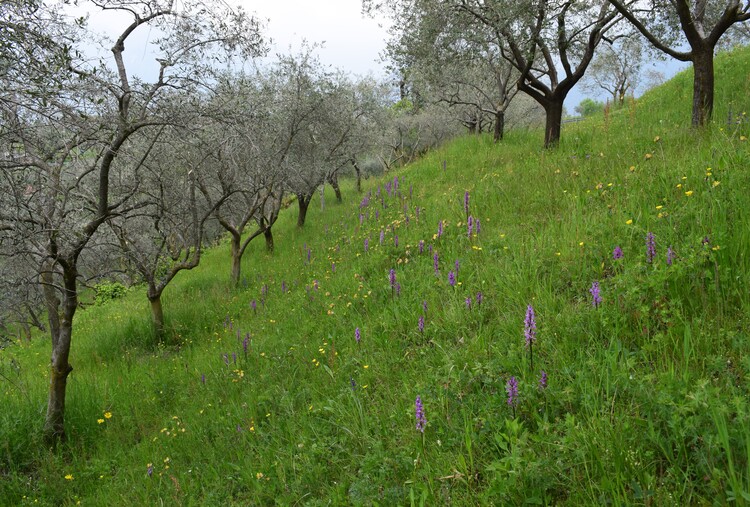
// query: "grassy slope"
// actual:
[[647, 399]]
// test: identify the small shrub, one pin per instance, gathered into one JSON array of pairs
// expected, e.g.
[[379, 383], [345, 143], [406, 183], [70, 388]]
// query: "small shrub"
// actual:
[[108, 291]]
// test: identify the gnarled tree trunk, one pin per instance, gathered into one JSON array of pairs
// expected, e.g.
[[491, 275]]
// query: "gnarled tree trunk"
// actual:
[[61, 332], [60, 368], [304, 202], [269, 239], [499, 125], [157, 312], [236, 250], [334, 181], [358, 171], [553, 123], [703, 86]]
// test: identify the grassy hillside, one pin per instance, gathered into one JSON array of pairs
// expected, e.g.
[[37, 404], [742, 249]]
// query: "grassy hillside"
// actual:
[[646, 399]]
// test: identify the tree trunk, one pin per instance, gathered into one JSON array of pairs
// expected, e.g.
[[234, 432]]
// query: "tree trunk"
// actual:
[[359, 177], [34, 320], [303, 203], [61, 332], [499, 125], [54, 423], [703, 86], [236, 259], [51, 300], [553, 110], [157, 315], [269, 239], [621, 92], [26, 330], [334, 181]]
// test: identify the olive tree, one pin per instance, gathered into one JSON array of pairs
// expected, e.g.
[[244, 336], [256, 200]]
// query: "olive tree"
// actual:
[[242, 179], [616, 69], [163, 233], [409, 133], [75, 142], [550, 43], [324, 114], [673, 25], [454, 59]]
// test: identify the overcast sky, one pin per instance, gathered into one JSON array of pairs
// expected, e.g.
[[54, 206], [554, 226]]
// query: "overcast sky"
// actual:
[[351, 41]]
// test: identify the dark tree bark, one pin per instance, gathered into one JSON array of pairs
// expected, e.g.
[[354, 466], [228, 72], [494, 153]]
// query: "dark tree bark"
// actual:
[[553, 122], [61, 327], [358, 172], [703, 86], [157, 313], [304, 202], [499, 132], [334, 181], [269, 240], [236, 251]]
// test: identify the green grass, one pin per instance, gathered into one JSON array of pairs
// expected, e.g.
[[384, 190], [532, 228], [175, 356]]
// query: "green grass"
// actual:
[[647, 402]]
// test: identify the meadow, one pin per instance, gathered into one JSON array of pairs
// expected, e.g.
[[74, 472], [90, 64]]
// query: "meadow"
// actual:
[[495, 324]]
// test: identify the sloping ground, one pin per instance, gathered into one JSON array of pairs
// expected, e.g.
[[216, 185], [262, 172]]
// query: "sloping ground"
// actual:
[[265, 394]]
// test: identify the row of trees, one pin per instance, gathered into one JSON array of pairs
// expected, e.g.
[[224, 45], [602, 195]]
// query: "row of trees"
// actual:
[[88, 149], [480, 53], [107, 174]]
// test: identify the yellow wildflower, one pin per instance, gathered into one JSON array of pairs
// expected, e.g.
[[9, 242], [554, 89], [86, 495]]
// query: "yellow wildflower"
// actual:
[[629, 222], [689, 193], [108, 415], [69, 477]]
